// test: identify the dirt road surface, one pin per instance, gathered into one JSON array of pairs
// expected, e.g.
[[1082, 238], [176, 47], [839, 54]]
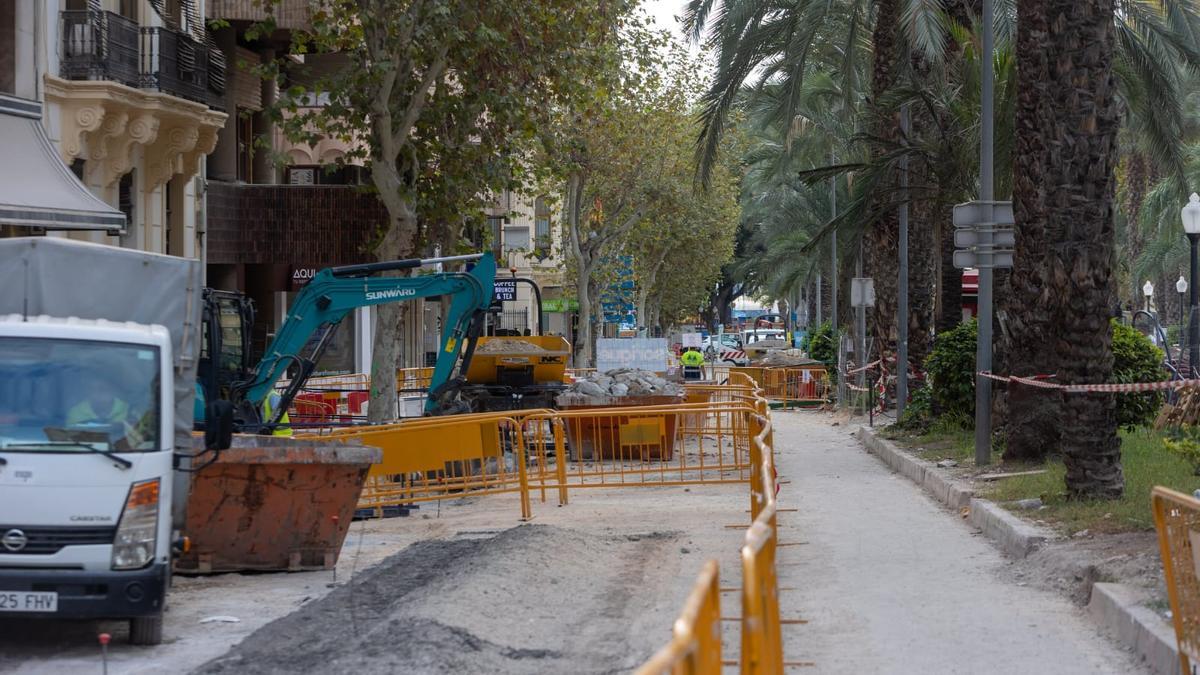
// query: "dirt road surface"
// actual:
[[891, 582], [888, 580], [613, 566]]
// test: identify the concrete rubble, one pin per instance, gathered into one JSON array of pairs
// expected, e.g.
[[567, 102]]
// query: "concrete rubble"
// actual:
[[621, 383]]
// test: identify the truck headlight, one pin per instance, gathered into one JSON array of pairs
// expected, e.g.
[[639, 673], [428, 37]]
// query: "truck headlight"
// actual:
[[137, 533]]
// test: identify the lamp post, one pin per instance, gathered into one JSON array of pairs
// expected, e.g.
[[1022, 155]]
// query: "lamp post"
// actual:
[[1181, 286], [1148, 291], [1191, 225]]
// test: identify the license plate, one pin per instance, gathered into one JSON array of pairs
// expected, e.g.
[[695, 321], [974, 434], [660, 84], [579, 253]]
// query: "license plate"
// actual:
[[28, 601]]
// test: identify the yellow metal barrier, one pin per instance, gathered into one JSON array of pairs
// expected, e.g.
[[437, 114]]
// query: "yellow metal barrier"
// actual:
[[796, 386], [1177, 518], [762, 639], [442, 457], [638, 446], [695, 645]]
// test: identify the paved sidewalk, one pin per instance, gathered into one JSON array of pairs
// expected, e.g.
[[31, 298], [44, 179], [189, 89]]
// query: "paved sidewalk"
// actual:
[[891, 582]]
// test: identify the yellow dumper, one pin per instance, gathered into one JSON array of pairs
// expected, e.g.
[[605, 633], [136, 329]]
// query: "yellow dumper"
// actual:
[[516, 372]]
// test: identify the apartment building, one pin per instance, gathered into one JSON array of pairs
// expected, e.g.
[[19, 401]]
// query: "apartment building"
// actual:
[[110, 108]]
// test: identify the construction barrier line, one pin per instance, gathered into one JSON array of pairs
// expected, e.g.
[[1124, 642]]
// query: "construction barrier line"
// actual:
[[1107, 388]]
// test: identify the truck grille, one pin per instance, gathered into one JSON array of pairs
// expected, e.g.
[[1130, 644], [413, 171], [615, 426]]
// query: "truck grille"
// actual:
[[48, 540]]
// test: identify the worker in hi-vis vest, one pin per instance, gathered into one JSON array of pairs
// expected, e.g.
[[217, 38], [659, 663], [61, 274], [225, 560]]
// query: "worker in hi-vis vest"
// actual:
[[693, 364], [285, 424]]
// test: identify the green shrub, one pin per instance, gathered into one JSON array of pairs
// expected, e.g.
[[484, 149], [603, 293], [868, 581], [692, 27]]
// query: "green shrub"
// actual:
[[1136, 359], [821, 344], [950, 370], [918, 414]]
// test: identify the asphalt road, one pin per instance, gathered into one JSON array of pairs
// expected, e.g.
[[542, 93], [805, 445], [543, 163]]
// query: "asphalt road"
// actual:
[[891, 582]]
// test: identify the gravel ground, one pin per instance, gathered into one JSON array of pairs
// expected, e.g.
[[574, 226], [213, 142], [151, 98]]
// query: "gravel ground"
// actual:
[[532, 599]]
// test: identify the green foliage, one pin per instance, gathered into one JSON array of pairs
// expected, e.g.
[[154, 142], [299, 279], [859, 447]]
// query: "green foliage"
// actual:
[[1136, 359], [1184, 442], [919, 411], [950, 369], [821, 344]]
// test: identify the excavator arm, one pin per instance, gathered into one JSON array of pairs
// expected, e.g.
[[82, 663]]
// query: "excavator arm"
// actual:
[[334, 292]]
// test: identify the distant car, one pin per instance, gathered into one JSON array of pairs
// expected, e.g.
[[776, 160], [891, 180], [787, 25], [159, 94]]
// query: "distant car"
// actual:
[[724, 348]]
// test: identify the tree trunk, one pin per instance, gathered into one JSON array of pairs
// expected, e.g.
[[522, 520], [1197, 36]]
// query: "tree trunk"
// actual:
[[881, 248], [1079, 134], [585, 338], [398, 242], [1032, 414]]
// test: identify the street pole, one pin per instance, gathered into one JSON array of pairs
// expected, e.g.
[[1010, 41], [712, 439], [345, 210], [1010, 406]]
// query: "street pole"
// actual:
[[902, 310], [833, 249], [818, 296], [1181, 336], [983, 347], [1193, 317], [862, 324]]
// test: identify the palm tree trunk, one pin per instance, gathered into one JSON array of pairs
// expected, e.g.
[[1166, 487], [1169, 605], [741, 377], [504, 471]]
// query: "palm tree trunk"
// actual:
[[1079, 122], [1032, 414], [882, 250]]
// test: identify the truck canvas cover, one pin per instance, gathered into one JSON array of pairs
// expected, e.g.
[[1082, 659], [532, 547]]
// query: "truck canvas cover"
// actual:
[[64, 278]]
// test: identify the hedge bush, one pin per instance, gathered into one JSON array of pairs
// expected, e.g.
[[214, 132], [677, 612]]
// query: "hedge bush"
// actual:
[[1136, 359], [950, 369]]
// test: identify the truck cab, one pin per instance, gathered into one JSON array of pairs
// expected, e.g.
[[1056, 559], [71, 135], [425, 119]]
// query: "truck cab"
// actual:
[[86, 448]]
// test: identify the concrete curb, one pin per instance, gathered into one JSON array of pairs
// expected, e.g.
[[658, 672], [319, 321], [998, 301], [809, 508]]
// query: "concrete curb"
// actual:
[[1118, 608]]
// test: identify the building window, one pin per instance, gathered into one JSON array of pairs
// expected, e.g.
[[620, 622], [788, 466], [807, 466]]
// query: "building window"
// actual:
[[516, 239], [125, 200], [541, 227], [245, 146], [8, 47], [77, 166], [496, 231]]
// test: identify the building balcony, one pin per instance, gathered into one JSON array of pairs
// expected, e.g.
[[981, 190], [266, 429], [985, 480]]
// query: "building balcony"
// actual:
[[107, 46]]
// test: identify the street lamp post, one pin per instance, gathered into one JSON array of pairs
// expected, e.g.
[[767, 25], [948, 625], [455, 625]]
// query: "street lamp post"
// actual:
[[1191, 225], [1181, 286], [1148, 291]]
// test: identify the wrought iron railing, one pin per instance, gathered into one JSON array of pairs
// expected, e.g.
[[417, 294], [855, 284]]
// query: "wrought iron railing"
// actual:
[[99, 46], [108, 46]]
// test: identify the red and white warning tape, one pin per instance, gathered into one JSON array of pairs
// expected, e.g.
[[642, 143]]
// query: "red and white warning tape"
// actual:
[[1116, 388], [866, 367]]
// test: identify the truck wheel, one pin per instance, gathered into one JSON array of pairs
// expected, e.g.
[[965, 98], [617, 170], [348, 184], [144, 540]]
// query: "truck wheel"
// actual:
[[146, 630]]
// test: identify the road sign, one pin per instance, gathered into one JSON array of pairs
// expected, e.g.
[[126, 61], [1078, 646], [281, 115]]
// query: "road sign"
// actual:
[[965, 259], [862, 292], [965, 237], [972, 213], [504, 290]]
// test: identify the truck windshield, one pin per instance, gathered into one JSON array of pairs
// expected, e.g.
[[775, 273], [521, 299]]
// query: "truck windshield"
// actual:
[[75, 396]]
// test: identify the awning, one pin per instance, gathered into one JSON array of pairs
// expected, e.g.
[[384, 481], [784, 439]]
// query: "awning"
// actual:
[[36, 187]]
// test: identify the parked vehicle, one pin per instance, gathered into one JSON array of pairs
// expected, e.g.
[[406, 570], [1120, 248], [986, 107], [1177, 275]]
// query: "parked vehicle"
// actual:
[[97, 373]]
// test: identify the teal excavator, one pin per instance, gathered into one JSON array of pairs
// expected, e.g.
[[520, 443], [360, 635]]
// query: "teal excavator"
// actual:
[[226, 373]]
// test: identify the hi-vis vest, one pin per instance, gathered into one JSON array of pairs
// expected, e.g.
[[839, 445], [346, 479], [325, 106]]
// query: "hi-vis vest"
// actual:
[[284, 428], [692, 359]]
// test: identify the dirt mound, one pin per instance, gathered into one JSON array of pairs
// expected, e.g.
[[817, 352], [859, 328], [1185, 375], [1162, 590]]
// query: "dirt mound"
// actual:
[[532, 599], [508, 346], [785, 359]]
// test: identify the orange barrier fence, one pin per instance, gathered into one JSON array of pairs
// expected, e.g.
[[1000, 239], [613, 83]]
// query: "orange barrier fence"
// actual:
[[648, 445], [761, 641], [436, 458], [695, 645], [796, 385], [1177, 518]]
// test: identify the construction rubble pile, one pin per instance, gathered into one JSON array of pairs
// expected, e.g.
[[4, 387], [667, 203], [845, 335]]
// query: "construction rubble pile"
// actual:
[[623, 383], [790, 358], [508, 346]]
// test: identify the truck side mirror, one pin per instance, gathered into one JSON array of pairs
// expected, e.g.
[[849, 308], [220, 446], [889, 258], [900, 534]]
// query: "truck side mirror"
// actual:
[[218, 425]]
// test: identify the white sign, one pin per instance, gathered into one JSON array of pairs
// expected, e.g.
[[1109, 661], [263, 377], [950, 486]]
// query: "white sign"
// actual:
[[691, 339], [639, 353], [862, 292]]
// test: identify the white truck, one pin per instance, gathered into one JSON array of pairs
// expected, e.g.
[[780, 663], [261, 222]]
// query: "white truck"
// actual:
[[98, 352]]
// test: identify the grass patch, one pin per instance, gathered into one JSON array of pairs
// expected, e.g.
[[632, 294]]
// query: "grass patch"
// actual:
[[1146, 463], [948, 437]]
